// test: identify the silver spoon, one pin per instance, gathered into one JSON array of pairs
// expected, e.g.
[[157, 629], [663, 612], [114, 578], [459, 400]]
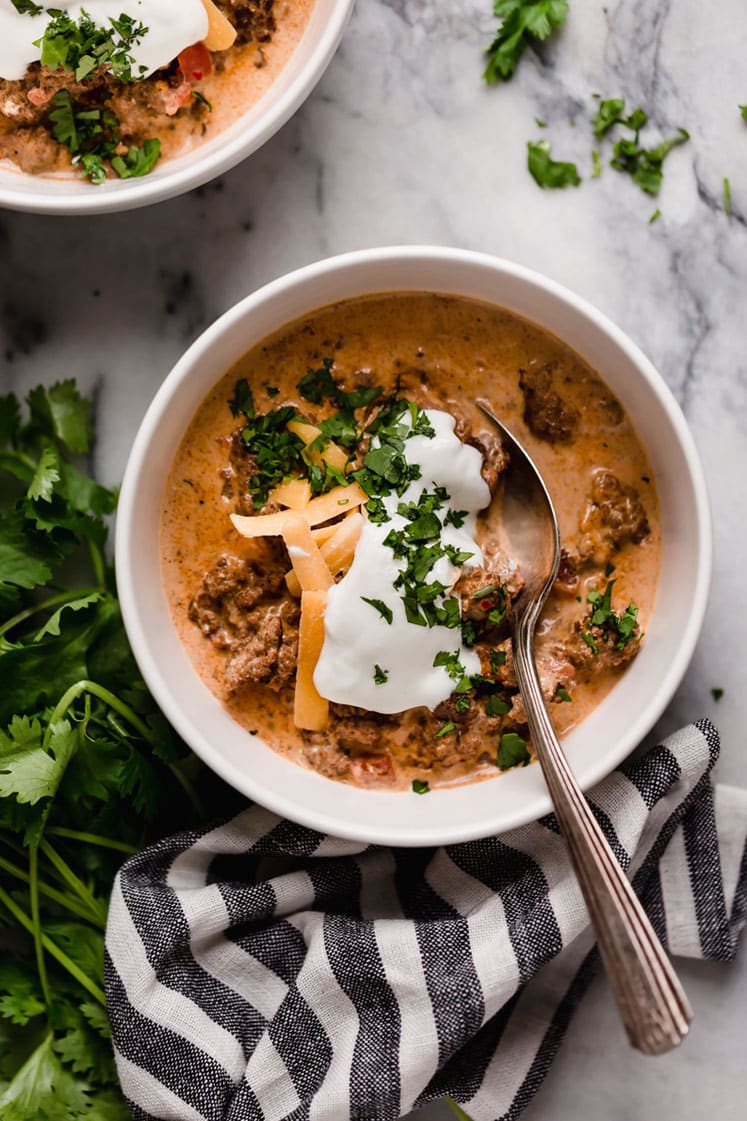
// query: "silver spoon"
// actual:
[[653, 1005]]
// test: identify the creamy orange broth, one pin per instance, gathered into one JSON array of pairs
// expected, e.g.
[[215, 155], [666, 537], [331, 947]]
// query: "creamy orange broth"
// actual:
[[247, 75], [456, 350]]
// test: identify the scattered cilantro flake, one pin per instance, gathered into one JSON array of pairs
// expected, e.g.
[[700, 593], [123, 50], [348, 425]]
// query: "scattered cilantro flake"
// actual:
[[381, 676], [644, 165], [563, 694], [539, 123], [512, 751], [521, 22], [547, 172], [717, 693], [743, 112], [420, 786], [727, 197], [654, 217], [590, 642], [381, 607], [596, 164], [497, 659], [445, 730]]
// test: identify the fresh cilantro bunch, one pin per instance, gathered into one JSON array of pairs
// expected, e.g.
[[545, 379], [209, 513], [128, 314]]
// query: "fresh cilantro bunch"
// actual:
[[89, 769], [521, 21]]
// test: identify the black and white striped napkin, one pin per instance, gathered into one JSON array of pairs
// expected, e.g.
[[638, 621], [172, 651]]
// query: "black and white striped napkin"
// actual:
[[260, 971]]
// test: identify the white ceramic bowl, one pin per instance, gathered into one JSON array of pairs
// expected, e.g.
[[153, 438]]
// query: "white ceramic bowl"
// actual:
[[613, 729], [48, 195]]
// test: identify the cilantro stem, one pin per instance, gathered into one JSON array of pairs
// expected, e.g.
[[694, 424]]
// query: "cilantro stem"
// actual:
[[92, 839], [110, 699], [52, 949], [36, 930], [68, 876], [59, 897], [97, 562], [68, 699], [53, 601]]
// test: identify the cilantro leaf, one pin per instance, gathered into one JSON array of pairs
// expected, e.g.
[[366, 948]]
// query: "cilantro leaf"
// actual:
[[521, 21], [548, 172], [381, 607], [61, 413], [512, 751], [137, 161], [419, 786], [33, 773], [47, 473]]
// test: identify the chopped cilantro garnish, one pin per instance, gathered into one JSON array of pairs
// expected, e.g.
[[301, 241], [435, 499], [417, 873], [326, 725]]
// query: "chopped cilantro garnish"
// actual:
[[496, 706], [462, 703], [455, 518], [420, 786], [381, 676], [548, 172], [562, 694], [727, 197], [521, 22], [315, 385], [717, 693], [92, 136], [381, 607], [242, 400], [279, 453], [590, 642], [596, 164], [654, 217], [743, 112], [469, 633], [497, 659], [446, 730], [609, 568], [617, 628], [82, 46], [488, 591], [512, 751], [455, 670]]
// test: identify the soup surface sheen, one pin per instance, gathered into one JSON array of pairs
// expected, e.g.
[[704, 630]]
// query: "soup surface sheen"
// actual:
[[441, 352]]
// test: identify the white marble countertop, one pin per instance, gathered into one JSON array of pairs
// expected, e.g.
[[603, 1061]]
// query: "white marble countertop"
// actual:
[[401, 142]]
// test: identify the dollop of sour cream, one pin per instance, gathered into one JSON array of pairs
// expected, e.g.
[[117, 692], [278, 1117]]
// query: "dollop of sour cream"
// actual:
[[172, 25], [357, 639]]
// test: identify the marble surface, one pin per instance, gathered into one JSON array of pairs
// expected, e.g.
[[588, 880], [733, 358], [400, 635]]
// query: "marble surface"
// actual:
[[401, 142]]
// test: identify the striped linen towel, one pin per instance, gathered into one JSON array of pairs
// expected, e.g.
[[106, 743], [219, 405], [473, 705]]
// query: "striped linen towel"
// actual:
[[260, 971]]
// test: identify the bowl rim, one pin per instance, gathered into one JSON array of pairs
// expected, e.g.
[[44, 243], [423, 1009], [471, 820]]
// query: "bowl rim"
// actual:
[[310, 815], [137, 193]]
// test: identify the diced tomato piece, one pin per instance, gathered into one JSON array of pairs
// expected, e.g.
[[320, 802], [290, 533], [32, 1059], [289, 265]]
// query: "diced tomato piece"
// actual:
[[372, 769], [195, 62]]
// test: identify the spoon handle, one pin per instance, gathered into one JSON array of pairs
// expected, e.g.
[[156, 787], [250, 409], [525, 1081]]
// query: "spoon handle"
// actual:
[[653, 1005]]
